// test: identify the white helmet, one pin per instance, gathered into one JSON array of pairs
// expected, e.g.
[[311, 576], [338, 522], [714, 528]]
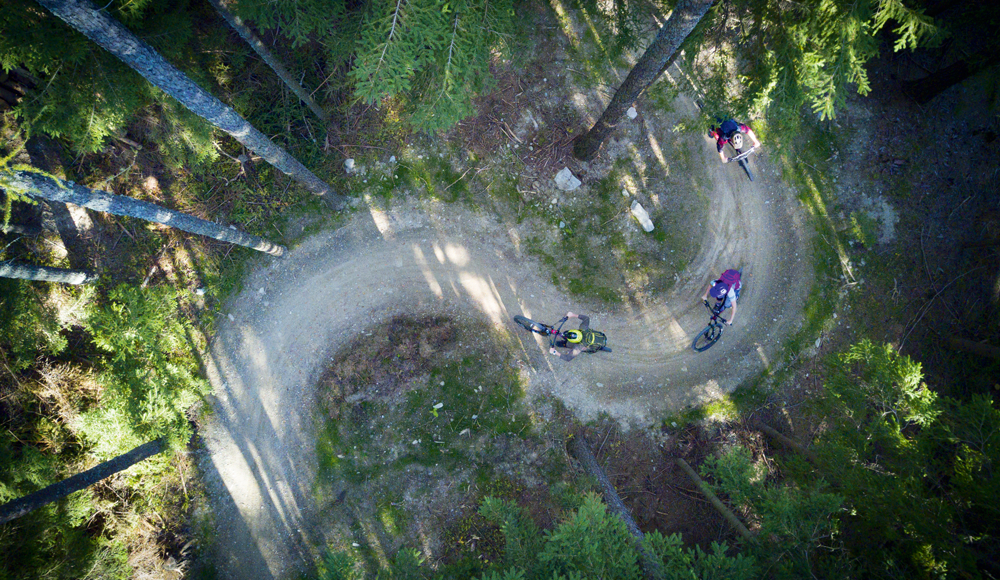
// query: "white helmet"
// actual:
[[737, 140]]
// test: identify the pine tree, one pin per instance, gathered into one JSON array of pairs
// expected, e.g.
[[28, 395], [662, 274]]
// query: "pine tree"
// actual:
[[27, 504], [37, 184], [119, 41], [272, 61], [684, 17]]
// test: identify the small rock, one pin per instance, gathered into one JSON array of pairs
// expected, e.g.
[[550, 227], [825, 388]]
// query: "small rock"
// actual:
[[566, 181], [624, 193], [631, 112], [231, 318], [348, 165], [819, 341], [199, 291], [562, 225], [392, 159]]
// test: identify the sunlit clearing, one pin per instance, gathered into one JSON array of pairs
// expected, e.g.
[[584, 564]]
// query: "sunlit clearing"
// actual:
[[380, 219], [763, 357], [565, 21], [432, 282], [655, 145], [456, 254], [485, 294]]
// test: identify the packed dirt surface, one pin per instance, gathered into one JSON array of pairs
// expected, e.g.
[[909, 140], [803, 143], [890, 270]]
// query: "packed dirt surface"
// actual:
[[431, 258]]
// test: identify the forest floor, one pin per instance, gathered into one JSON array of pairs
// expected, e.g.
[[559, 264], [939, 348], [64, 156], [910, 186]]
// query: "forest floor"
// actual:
[[514, 245], [424, 257]]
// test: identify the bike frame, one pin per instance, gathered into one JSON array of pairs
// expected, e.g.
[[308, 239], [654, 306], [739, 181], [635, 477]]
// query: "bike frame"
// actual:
[[744, 155], [717, 314]]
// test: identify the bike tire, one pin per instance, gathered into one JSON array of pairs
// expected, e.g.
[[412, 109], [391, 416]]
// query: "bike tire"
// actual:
[[746, 167], [707, 337], [532, 326], [605, 349]]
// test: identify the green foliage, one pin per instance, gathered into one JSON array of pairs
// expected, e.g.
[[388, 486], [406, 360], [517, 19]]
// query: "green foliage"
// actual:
[[149, 375], [83, 94], [29, 326], [431, 55], [794, 521], [680, 563], [806, 53]]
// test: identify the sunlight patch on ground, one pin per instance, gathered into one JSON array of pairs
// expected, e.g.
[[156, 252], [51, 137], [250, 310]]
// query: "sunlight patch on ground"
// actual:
[[655, 146], [380, 219], [485, 295], [562, 15], [763, 357], [425, 269]]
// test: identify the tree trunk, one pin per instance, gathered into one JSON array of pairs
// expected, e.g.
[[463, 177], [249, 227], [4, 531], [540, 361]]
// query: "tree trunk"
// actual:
[[39, 185], [279, 69], [45, 273], [29, 503], [29, 230], [678, 26], [781, 439], [932, 85], [119, 41], [715, 501], [579, 448], [979, 348]]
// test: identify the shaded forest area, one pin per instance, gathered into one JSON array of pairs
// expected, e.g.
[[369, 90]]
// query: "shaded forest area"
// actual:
[[885, 475]]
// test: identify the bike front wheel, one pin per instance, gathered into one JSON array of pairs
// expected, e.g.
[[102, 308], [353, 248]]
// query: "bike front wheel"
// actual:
[[532, 326], [746, 167], [706, 338]]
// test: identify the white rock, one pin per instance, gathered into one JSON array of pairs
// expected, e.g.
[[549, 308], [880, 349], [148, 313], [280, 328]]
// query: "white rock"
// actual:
[[624, 193], [640, 214], [566, 181], [631, 112], [392, 159], [562, 225], [348, 165], [199, 291]]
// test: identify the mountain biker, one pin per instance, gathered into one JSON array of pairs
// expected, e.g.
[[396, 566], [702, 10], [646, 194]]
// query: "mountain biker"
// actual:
[[731, 131], [726, 290], [580, 340]]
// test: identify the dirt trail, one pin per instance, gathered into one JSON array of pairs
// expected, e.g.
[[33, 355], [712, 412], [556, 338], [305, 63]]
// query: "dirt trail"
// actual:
[[427, 257]]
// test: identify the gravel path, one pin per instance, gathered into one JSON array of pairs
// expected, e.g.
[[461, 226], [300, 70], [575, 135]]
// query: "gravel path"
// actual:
[[425, 257]]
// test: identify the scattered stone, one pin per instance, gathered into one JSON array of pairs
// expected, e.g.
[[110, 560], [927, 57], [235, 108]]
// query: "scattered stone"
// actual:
[[348, 165], [392, 159], [640, 214], [624, 193], [562, 225], [199, 291], [566, 181], [631, 112]]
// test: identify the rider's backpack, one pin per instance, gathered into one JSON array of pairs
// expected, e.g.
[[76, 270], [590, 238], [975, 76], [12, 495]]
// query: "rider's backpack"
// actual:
[[593, 340], [728, 127], [731, 278]]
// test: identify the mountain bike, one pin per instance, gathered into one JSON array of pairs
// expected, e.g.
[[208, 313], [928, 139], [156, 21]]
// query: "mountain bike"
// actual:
[[743, 158], [553, 332], [713, 332]]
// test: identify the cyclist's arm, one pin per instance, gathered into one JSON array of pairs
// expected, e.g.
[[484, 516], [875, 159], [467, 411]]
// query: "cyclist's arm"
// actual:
[[732, 318], [568, 356], [704, 296], [753, 137], [584, 321], [722, 156]]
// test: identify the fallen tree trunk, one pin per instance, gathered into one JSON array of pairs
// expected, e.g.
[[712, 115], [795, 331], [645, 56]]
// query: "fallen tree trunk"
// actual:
[[579, 448], [979, 348], [788, 443], [29, 503], [45, 273], [715, 501]]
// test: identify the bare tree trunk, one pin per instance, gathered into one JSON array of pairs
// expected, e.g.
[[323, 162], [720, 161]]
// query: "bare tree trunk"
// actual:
[[119, 41], [781, 439], [683, 19], [279, 69], [979, 348], [38, 185], [45, 273], [715, 501], [29, 503], [579, 448]]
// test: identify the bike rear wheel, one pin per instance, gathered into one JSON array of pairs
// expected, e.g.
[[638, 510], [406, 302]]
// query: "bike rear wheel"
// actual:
[[707, 337], [746, 167], [532, 326]]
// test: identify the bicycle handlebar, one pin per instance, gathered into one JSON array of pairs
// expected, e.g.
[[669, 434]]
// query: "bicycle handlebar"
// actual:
[[743, 155], [715, 315]]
